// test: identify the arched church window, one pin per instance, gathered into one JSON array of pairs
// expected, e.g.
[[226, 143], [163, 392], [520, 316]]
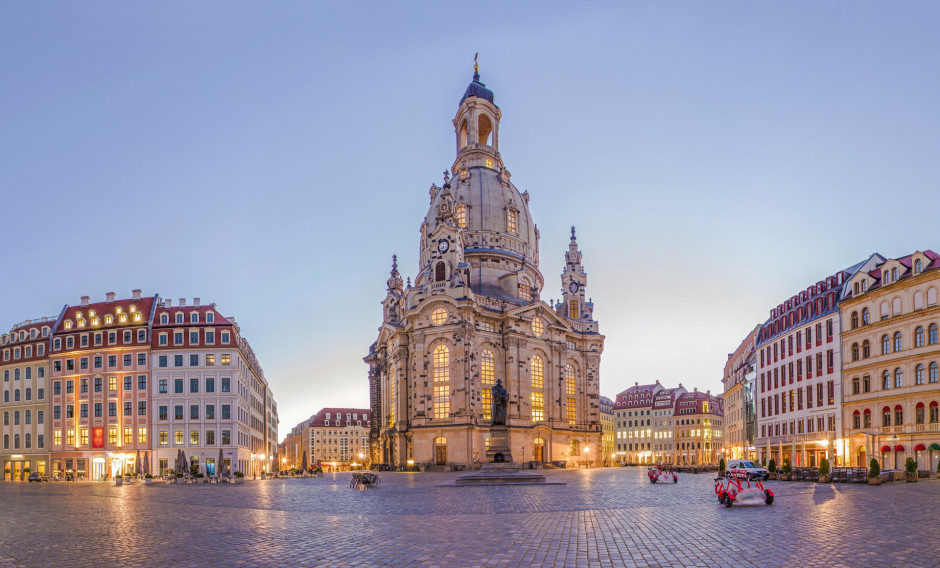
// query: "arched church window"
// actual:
[[575, 448], [441, 374], [392, 398], [570, 379], [488, 378], [511, 220], [573, 309], [525, 288], [440, 271], [538, 326], [462, 216]]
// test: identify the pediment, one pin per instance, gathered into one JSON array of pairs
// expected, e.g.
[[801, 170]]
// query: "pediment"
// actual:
[[529, 311]]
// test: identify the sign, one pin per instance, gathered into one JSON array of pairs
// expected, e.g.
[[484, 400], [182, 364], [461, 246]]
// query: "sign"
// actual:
[[97, 437]]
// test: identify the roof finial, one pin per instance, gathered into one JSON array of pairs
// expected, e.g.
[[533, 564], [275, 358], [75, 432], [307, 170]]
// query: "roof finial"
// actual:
[[572, 232], [394, 262], [476, 68]]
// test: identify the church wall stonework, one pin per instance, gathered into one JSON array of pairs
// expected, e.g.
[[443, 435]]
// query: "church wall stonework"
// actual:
[[473, 316]]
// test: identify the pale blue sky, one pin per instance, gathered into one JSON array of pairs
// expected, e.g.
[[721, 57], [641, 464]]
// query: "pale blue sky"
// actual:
[[271, 157]]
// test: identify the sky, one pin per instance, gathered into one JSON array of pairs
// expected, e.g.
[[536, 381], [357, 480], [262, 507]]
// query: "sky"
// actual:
[[716, 158]]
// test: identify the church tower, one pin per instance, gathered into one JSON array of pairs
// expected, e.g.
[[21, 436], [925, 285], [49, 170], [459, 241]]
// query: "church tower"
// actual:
[[474, 315]]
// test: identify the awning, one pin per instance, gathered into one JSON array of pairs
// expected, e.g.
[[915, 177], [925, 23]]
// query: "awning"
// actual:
[[885, 448], [899, 448], [935, 447], [919, 448]]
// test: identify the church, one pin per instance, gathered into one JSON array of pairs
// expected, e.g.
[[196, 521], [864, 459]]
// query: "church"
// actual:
[[474, 315]]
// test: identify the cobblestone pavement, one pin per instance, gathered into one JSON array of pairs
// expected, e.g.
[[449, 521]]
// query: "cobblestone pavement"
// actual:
[[602, 517]]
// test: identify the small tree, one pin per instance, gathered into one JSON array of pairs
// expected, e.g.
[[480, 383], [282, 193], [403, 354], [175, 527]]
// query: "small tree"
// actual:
[[874, 470], [772, 466], [786, 466], [721, 465], [910, 466], [763, 461], [824, 467]]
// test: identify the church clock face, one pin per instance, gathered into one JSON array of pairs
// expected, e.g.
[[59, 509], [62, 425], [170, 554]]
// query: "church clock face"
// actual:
[[443, 245], [573, 287]]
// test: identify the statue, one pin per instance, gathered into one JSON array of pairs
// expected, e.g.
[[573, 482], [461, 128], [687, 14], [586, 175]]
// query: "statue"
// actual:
[[500, 403]]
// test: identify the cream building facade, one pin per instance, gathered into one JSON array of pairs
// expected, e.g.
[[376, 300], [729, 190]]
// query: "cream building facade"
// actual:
[[608, 430], [474, 315], [737, 400], [890, 316]]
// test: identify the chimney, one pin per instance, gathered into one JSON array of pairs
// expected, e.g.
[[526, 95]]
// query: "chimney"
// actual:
[[182, 302], [167, 303], [135, 294], [196, 302], [694, 389], [109, 297], [86, 300]]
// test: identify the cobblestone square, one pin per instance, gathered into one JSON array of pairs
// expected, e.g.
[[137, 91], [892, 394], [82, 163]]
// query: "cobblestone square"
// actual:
[[601, 517]]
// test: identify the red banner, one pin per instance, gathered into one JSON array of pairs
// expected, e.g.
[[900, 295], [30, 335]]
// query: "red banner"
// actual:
[[97, 437]]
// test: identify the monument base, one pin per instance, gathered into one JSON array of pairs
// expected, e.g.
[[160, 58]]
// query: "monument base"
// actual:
[[500, 469]]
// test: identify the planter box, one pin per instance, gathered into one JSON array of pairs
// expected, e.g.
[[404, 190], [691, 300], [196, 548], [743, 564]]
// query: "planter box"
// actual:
[[148, 481], [825, 478], [118, 481], [874, 481], [910, 478]]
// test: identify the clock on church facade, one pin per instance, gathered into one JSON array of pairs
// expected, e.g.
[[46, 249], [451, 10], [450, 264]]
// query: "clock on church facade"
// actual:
[[474, 314]]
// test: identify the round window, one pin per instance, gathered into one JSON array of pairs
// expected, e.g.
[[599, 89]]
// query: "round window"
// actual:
[[439, 316], [538, 327]]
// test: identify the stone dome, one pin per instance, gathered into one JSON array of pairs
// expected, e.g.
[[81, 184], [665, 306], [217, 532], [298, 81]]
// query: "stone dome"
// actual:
[[487, 200]]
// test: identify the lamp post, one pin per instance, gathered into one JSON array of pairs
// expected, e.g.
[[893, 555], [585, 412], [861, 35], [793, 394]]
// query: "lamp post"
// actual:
[[587, 450], [894, 451]]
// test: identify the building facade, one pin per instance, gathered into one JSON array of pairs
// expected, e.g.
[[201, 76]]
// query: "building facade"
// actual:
[[88, 381], [338, 438], [799, 363], [890, 317], [737, 400], [697, 418], [474, 316], [25, 406], [645, 427], [664, 428], [209, 393], [608, 430]]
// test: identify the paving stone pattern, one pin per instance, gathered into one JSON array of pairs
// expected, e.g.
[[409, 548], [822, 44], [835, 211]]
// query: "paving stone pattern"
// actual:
[[602, 517]]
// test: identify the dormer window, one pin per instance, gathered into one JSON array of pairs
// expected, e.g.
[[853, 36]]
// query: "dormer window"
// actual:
[[109, 319], [918, 266], [885, 277], [894, 274], [164, 319], [210, 317], [179, 318], [137, 316], [462, 216], [68, 325], [123, 318]]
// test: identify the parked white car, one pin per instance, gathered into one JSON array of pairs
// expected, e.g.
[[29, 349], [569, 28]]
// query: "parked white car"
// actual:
[[747, 469]]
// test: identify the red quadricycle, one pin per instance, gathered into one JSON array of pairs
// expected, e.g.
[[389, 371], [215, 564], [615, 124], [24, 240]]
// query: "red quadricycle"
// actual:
[[661, 474], [734, 488]]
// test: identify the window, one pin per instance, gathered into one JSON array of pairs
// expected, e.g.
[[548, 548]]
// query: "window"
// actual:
[[210, 317], [210, 412], [177, 360], [178, 386], [178, 338], [885, 344], [210, 437], [511, 219], [919, 375], [193, 337], [210, 360], [885, 380], [855, 314], [538, 406], [855, 351], [226, 437], [128, 408], [141, 435], [128, 382], [226, 412], [112, 360], [571, 410], [919, 337], [164, 438], [210, 384], [194, 385], [141, 335], [112, 409], [225, 336], [226, 359], [128, 436], [488, 378], [164, 319], [194, 360], [194, 437], [932, 373], [141, 382], [441, 374], [98, 410], [194, 412], [570, 380], [573, 311], [210, 337], [163, 339], [538, 326], [898, 378], [179, 318], [897, 341], [898, 415], [83, 410], [932, 334], [178, 437], [69, 387], [178, 412], [917, 266], [866, 349], [128, 360], [866, 315], [141, 359], [142, 408], [162, 361], [226, 384], [462, 216], [537, 372]]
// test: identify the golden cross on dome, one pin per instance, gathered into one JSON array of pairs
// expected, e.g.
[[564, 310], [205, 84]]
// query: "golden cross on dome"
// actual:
[[475, 66]]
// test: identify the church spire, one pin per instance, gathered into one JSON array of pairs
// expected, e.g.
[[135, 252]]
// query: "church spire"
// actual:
[[573, 283]]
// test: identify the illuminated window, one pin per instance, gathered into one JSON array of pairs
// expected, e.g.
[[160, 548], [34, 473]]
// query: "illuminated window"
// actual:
[[109, 319], [525, 289], [511, 221], [537, 372], [573, 311], [538, 407], [705, 404], [128, 436], [569, 380], [489, 163], [194, 438], [538, 326], [441, 373], [68, 325], [70, 437], [226, 359], [488, 377], [141, 435], [112, 436], [57, 437], [392, 398], [572, 411], [164, 438], [462, 216], [439, 316], [112, 384]]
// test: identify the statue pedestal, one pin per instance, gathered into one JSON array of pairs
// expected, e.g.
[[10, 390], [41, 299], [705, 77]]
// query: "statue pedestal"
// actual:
[[498, 451]]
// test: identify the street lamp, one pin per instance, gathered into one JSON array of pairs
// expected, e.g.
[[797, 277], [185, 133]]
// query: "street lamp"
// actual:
[[894, 450]]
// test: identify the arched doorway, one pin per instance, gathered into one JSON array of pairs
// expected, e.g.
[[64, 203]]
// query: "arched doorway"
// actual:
[[440, 450], [862, 460], [538, 451]]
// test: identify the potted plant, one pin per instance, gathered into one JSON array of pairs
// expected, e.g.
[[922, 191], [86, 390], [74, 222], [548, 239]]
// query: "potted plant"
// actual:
[[148, 479], [118, 480], [938, 470], [238, 476], [6, 472], [785, 470], [772, 469], [824, 471], [874, 472], [721, 466], [910, 470]]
